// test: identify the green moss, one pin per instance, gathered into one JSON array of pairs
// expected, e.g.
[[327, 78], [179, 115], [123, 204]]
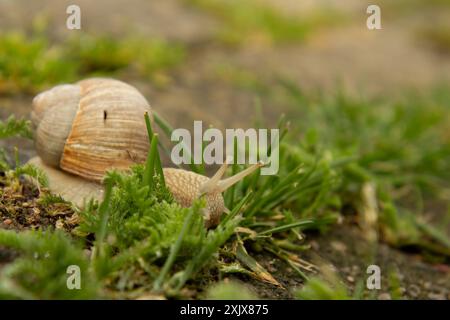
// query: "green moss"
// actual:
[[15, 128], [40, 272]]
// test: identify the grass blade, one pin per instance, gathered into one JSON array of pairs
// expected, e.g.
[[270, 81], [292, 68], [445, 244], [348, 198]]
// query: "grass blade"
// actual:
[[258, 271], [150, 164]]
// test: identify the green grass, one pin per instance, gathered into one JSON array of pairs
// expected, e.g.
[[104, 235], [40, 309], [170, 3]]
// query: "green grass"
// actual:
[[248, 20], [318, 289], [30, 63], [402, 147], [41, 270], [329, 286], [13, 127], [105, 55], [146, 242]]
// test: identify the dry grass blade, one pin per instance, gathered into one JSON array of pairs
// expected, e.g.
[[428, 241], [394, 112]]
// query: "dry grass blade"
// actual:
[[258, 271]]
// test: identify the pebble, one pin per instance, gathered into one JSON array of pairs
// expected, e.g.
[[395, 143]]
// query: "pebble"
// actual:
[[427, 285], [271, 268], [442, 268], [59, 224], [350, 279], [338, 246], [332, 268], [384, 296], [7, 221], [345, 270], [315, 245], [356, 269], [414, 291]]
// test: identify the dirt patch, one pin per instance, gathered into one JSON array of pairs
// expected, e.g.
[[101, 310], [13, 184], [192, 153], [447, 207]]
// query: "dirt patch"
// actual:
[[346, 251], [26, 206]]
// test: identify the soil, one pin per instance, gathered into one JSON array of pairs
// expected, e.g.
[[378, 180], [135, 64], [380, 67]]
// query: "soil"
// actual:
[[346, 251], [347, 56], [22, 208]]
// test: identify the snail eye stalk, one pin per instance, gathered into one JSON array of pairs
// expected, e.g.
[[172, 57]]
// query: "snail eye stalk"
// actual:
[[216, 185]]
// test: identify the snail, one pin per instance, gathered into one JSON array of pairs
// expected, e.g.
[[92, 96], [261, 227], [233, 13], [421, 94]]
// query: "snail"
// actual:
[[84, 129]]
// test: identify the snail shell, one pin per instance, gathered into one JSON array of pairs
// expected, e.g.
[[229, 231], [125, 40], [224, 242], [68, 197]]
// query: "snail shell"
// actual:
[[84, 129], [90, 127]]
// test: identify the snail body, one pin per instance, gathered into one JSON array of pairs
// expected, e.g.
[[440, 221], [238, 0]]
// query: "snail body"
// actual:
[[187, 186], [84, 129]]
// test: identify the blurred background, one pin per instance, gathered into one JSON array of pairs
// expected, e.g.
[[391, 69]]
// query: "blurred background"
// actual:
[[200, 59]]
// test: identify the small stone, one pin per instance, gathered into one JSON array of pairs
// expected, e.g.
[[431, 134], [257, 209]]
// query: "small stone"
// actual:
[[59, 224], [338, 246], [384, 296], [271, 268], [442, 268], [414, 291], [350, 279], [356, 269], [427, 285], [7, 221], [345, 270], [332, 268], [315, 245]]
